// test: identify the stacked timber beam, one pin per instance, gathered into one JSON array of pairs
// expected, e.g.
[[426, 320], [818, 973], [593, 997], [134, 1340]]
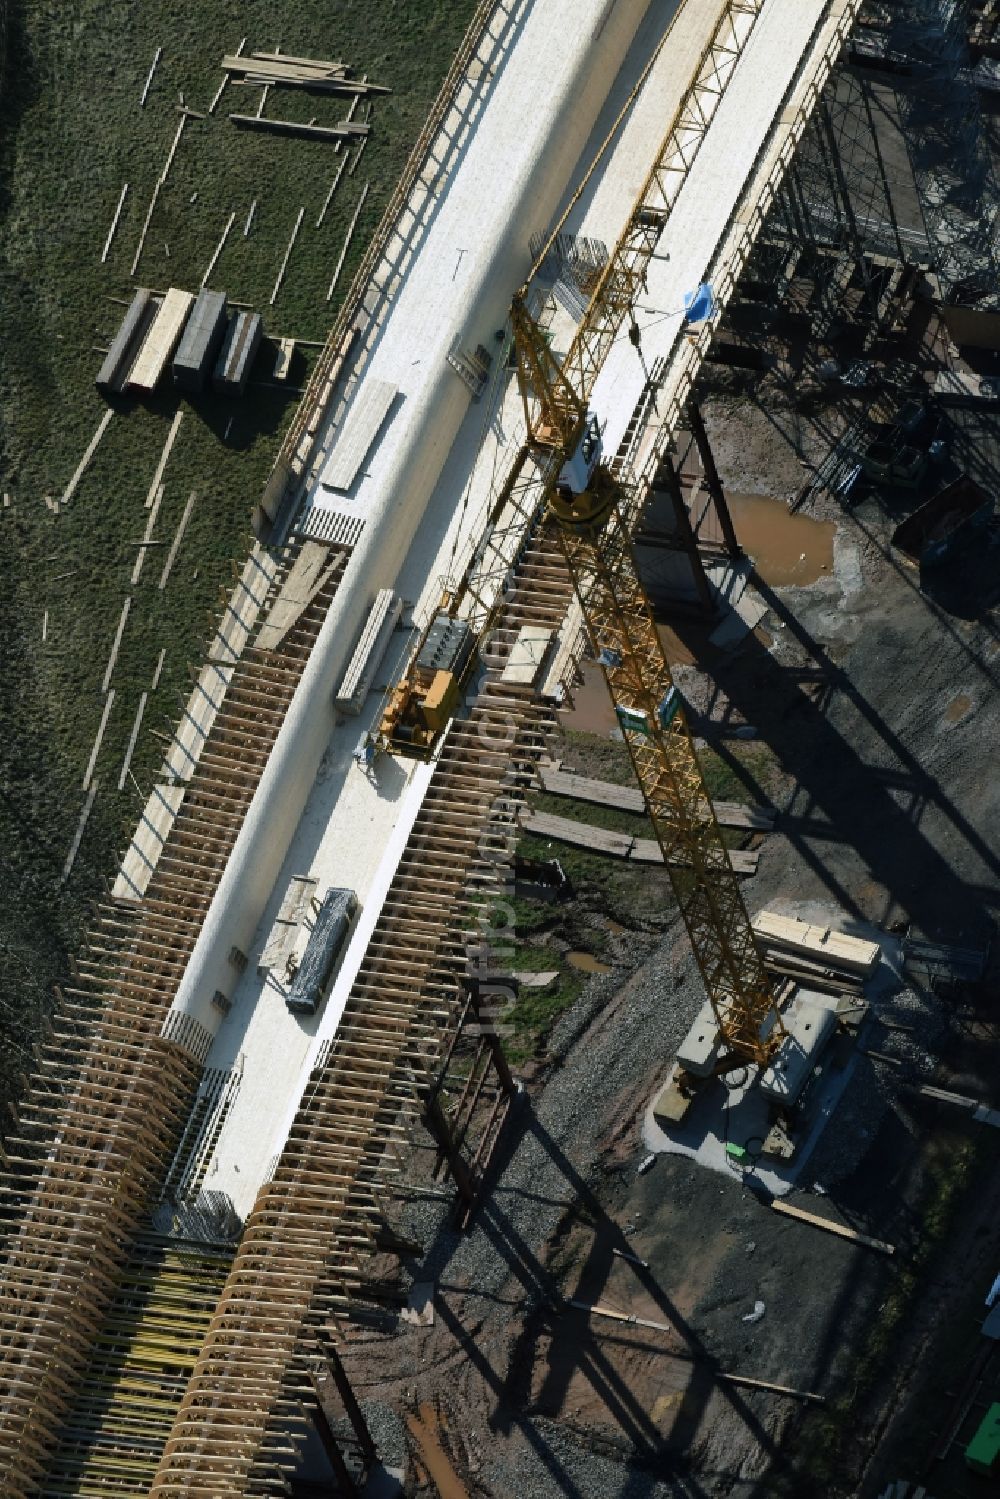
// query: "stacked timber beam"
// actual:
[[280, 70], [347, 130], [304, 1266], [105, 1110]]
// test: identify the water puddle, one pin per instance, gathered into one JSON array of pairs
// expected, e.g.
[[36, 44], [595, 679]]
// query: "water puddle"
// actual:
[[585, 962], [958, 708], [424, 1430], [786, 549]]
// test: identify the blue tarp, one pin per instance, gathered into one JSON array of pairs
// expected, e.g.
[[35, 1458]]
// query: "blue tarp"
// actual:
[[699, 305]]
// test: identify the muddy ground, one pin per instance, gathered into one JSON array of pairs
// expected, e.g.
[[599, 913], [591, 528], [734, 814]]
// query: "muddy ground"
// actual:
[[874, 710]]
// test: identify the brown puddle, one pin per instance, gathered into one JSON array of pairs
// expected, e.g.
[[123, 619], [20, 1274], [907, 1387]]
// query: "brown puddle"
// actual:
[[586, 962], [958, 707], [423, 1428], [786, 549]]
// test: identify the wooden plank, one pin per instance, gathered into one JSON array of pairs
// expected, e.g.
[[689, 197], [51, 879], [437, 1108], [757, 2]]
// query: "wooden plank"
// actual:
[[746, 1382], [91, 763], [361, 427], [133, 737], [648, 851], [246, 226], [157, 482], [115, 647], [579, 834], [283, 360], [145, 542], [114, 225], [89, 452], [284, 263], [161, 340], [617, 845], [819, 943], [149, 77], [357, 157], [629, 799], [347, 241], [297, 128], [178, 538], [313, 64], [333, 188], [74, 847], [312, 569], [219, 248], [225, 79], [158, 669], [789, 1210]]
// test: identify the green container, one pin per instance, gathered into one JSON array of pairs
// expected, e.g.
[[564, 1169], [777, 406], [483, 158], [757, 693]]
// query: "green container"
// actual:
[[983, 1453], [736, 1152]]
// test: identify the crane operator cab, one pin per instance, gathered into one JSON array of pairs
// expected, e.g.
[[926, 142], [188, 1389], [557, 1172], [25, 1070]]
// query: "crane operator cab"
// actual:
[[585, 492]]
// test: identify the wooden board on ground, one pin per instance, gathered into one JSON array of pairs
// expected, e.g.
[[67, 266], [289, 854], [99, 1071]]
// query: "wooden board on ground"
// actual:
[[789, 1210], [629, 799], [617, 845], [352, 131]]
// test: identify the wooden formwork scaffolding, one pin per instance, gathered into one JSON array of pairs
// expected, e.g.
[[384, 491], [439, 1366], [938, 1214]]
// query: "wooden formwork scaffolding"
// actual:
[[311, 1262], [105, 1109], [140, 1363]]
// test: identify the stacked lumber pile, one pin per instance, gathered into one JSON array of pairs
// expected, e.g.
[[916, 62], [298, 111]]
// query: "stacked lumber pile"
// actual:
[[277, 70], [816, 956]]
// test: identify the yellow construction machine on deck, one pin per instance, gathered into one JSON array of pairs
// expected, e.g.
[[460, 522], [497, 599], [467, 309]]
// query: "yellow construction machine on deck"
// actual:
[[426, 699]]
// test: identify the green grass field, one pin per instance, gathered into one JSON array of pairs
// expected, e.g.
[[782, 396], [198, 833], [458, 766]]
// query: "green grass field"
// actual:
[[71, 134]]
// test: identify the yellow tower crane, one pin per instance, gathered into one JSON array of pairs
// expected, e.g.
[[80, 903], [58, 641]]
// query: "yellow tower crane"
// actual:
[[558, 472]]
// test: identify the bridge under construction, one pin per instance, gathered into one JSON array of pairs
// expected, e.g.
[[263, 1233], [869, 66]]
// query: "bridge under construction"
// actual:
[[203, 1187]]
